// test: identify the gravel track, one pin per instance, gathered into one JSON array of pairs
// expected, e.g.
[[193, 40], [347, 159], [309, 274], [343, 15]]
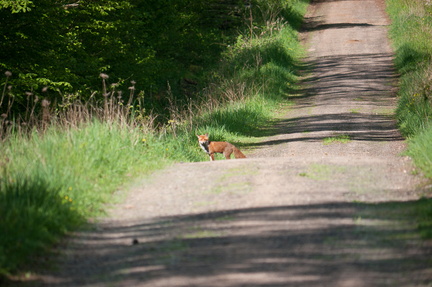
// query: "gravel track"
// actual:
[[302, 210]]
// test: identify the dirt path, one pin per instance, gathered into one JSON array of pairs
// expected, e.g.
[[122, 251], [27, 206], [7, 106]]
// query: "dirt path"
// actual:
[[316, 205]]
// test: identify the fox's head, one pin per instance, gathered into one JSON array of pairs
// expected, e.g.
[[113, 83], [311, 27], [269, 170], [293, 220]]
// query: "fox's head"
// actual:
[[203, 139]]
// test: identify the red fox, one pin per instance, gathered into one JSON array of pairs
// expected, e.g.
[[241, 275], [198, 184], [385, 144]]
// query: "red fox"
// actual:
[[218, 147]]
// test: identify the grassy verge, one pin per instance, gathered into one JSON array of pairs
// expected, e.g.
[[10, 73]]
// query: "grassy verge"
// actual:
[[413, 218], [57, 176], [411, 32]]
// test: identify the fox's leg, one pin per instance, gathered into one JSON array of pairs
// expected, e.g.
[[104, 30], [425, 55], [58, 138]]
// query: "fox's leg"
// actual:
[[227, 154], [211, 157]]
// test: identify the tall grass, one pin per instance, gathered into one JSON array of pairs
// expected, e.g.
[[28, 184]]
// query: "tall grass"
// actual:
[[411, 32], [33, 215], [52, 182]]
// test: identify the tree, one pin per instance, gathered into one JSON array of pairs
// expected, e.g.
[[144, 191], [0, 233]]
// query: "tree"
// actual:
[[16, 6], [65, 44]]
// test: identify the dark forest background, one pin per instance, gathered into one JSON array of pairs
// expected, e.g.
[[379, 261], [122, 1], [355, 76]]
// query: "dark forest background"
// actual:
[[55, 47]]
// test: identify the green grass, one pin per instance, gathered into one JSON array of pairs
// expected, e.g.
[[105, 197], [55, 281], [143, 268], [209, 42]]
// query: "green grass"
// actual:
[[33, 215], [337, 139], [53, 180], [411, 33], [415, 217], [51, 183], [419, 148]]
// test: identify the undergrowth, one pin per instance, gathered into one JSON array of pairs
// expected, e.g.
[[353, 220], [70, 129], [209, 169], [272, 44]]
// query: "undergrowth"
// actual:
[[61, 162]]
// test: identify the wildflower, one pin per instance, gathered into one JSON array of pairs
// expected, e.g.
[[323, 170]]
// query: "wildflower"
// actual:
[[8, 74], [144, 140], [103, 76], [133, 82], [45, 89]]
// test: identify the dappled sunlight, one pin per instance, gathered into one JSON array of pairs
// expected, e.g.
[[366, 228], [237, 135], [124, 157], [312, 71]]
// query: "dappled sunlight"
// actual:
[[309, 244]]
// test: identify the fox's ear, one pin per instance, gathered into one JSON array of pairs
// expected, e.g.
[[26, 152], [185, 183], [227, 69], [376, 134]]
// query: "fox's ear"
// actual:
[[206, 134], [197, 136]]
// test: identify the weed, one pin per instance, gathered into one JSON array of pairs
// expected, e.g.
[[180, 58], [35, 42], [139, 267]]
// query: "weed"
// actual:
[[337, 139]]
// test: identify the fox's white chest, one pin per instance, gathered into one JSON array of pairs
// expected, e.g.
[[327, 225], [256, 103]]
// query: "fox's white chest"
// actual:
[[205, 147]]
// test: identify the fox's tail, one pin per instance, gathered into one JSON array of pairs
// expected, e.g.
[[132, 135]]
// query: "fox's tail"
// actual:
[[238, 153]]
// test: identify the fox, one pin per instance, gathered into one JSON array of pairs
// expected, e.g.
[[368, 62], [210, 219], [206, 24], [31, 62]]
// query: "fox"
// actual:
[[218, 147]]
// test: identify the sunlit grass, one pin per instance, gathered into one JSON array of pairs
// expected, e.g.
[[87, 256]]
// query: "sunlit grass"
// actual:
[[411, 33], [343, 139]]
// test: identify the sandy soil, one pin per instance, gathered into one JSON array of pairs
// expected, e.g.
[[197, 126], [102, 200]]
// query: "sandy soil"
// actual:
[[302, 210]]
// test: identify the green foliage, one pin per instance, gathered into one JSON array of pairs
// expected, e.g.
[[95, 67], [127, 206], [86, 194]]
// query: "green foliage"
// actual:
[[50, 183], [93, 157], [411, 31], [419, 149], [16, 6], [33, 216], [67, 45], [337, 139]]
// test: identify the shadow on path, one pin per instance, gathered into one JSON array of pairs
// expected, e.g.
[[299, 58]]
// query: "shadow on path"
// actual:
[[352, 95], [314, 245]]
